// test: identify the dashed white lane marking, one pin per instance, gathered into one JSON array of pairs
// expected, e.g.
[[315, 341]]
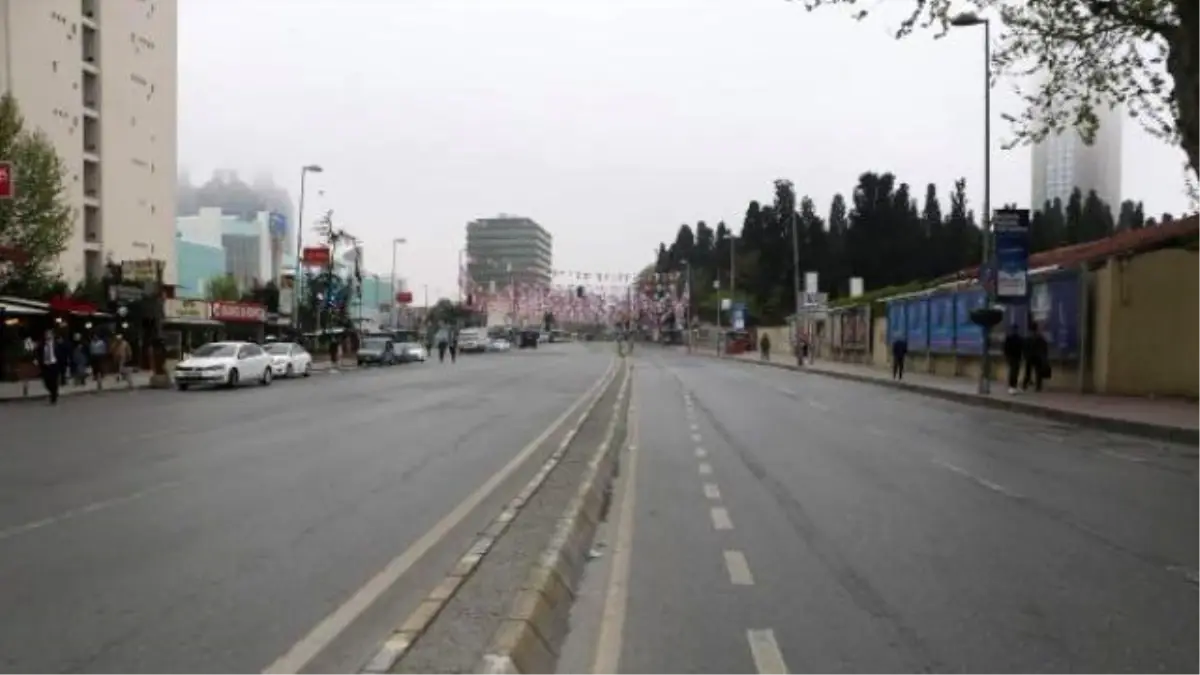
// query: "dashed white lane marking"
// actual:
[[720, 518], [765, 651], [705, 469], [1123, 457], [817, 405], [712, 491], [995, 487], [84, 510], [697, 438], [701, 453], [739, 569], [694, 427]]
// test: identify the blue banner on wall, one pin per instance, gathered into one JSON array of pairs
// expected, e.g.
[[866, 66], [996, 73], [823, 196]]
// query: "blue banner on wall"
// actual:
[[918, 325], [941, 323], [897, 322], [1054, 304], [968, 338]]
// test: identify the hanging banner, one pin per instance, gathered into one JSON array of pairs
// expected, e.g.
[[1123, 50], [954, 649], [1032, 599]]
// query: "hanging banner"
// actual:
[[1010, 229]]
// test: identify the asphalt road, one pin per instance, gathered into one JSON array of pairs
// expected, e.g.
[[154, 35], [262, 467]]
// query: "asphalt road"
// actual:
[[791, 523], [210, 531]]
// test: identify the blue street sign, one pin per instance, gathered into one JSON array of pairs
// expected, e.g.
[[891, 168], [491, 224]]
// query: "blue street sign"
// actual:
[[1010, 228]]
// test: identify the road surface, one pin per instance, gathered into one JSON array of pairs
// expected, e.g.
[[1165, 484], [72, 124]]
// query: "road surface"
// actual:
[[768, 521], [213, 531]]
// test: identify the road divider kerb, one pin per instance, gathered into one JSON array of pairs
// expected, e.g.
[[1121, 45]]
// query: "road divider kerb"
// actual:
[[1160, 432], [529, 638], [402, 639]]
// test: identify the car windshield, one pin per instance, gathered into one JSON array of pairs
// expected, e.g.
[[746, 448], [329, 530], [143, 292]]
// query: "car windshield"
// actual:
[[278, 348], [374, 345], [215, 351]]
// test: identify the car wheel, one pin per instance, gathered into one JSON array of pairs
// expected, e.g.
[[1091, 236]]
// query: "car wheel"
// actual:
[[289, 373], [307, 369], [266, 376], [182, 386], [233, 378]]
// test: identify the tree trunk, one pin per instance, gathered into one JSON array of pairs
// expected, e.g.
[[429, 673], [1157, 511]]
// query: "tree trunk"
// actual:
[[1182, 64]]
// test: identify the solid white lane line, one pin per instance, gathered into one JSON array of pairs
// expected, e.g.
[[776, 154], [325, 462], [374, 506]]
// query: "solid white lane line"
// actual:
[[71, 514], [712, 491], [765, 651], [705, 469], [720, 518], [995, 487], [739, 569], [817, 405], [697, 438], [324, 633], [701, 453], [612, 619]]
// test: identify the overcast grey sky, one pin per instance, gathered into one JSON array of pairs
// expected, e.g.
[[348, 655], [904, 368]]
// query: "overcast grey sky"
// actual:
[[610, 122]]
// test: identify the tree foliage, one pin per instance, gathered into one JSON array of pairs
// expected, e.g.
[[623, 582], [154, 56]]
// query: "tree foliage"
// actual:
[[222, 288], [38, 221], [1087, 55], [882, 233]]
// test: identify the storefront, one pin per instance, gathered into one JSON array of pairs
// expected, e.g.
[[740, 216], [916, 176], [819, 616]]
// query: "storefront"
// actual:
[[240, 320], [187, 324]]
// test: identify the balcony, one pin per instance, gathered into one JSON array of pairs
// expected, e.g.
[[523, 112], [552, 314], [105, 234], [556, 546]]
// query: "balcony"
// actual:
[[91, 95], [91, 139], [91, 186], [93, 233], [90, 49]]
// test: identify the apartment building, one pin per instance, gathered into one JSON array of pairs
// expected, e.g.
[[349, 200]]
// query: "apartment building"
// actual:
[[99, 78], [508, 248], [1062, 162]]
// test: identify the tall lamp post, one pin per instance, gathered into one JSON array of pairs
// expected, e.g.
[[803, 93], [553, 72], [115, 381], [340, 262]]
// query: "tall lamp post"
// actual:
[[986, 265], [395, 242], [297, 277]]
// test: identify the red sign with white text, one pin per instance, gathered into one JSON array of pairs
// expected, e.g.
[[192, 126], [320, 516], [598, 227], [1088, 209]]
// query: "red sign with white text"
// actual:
[[6, 180], [239, 312], [315, 255], [404, 298]]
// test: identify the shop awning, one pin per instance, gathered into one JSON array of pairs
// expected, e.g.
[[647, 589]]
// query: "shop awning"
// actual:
[[19, 310]]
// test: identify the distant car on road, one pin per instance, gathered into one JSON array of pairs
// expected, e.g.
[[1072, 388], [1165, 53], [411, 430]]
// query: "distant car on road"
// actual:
[[289, 359], [499, 345], [411, 352], [529, 339], [224, 363], [472, 340], [378, 352]]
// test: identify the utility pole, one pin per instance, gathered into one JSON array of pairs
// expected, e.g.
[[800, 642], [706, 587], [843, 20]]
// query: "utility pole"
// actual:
[[687, 311], [795, 284]]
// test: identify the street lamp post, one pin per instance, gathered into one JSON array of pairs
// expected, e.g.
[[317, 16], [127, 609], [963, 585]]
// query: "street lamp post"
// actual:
[[796, 286], [297, 277], [395, 242], [986, 264]]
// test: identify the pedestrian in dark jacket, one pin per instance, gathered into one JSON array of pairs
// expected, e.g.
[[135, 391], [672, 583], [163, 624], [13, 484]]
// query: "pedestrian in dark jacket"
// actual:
[[899, 352], [1014, 348], [1037, 358], [764, 347], [51, 362]]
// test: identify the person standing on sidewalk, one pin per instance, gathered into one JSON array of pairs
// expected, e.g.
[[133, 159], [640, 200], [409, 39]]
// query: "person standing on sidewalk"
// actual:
[[1014, 347], [764, 347], [120, 355], [899, 352], [50, 364], [1037, 358], [98, 356]]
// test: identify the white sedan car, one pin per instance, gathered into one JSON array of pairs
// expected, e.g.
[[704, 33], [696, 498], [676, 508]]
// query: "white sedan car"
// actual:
[[224, 364], [289, 359], [499, 345]]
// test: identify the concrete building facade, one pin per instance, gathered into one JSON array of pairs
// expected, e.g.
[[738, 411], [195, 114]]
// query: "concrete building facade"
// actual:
[[1063, 162], [507, 248], [99, 79]]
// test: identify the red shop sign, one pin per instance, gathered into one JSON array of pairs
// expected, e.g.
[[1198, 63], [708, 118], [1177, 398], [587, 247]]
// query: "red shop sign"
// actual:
[[315, 255], [239, 312]]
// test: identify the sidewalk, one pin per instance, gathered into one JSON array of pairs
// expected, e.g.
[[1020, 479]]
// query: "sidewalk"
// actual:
[[33, 390], [1173, 420]]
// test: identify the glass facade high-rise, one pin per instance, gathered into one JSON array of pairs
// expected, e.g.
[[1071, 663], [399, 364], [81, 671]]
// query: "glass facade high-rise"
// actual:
[[508, 248], [1063, 162]]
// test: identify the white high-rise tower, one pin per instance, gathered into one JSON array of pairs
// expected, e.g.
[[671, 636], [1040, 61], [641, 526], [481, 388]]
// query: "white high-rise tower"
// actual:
[[1062, 162]]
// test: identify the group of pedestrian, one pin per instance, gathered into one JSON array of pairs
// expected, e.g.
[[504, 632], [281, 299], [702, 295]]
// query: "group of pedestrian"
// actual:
[[60, 360], [447, 341], [1032, 351]]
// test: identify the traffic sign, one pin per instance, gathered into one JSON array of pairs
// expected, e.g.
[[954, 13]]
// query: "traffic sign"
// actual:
[[7, 189]]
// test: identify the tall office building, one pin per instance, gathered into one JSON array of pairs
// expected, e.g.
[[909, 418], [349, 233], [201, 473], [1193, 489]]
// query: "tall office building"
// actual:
[[1062, 162], [98, 77], [508, 248]]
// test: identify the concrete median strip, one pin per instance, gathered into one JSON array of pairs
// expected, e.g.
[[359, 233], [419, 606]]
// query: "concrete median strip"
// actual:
[[403, 638], [529, 638]]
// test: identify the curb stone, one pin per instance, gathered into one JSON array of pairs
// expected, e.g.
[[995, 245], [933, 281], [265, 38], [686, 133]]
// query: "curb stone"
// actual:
[[528, 640], [1158, 432], [397, 645]]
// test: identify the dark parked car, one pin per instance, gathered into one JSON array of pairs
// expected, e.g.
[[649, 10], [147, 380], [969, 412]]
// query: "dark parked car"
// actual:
[[528, 338], [377, 351]]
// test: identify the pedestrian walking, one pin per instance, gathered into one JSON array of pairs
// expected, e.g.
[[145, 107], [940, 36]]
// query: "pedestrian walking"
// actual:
[[1037, 358], [98, 358], [1014, 347], [443, 343], [121, 354], [453, 346], [764, 347], [899, 352], [48, 356], [79, 362]]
